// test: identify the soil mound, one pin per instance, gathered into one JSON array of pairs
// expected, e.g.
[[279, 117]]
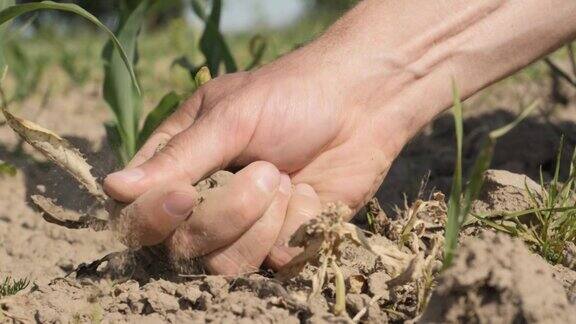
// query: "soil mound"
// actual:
[[496, 279]]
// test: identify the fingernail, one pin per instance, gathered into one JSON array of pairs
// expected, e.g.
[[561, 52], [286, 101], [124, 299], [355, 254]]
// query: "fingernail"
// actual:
[[285, 184], [267, 178], [179, 204], [305, 190], [128, 175]]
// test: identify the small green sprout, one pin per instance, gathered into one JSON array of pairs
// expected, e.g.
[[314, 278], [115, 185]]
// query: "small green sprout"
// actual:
[[12, 286]]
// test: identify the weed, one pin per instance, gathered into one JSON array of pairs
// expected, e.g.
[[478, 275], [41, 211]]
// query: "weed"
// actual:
[[375, 216], [321, 239], [7, 169], [551, 223], [12, 286], [461, 197], [558, 72]]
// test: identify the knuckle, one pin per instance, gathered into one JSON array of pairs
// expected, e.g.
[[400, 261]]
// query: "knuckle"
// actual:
[[171, 153]]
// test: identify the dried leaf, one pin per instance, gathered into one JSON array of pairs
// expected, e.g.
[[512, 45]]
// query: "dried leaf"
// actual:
[[356, 282], [63, 217], [319, 279], [293, 268], [58, 150], [410, 273], [355, 235]]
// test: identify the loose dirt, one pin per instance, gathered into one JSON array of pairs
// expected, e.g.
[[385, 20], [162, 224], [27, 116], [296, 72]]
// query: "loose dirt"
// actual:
[[494, 278]]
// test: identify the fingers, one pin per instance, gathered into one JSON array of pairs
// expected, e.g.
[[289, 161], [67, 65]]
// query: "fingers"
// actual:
[[203, 134], [250, 250], [156, 214], [226, 212], [189, 155], [180, 120], [304, 205]]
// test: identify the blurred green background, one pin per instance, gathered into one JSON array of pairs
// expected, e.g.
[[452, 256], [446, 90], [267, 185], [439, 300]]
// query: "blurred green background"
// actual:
[[68, 48]]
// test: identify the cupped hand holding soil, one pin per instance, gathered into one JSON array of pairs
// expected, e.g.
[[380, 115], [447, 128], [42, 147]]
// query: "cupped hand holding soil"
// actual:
[[314, 137], [332, 115]]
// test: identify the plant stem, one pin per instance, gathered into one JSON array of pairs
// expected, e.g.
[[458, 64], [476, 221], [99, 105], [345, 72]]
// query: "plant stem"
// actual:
[[340, 304]]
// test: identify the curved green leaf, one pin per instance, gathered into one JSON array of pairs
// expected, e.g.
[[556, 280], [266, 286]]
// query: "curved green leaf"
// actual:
[[257, 48], [122, 97], [165, 108], [17, 10], [212, 42], [3, 4]]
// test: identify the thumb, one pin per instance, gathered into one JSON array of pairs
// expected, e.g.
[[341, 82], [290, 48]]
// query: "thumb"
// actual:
[[188, 156]]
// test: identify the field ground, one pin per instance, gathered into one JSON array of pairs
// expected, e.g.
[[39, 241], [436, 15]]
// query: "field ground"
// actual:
[[494, 278]]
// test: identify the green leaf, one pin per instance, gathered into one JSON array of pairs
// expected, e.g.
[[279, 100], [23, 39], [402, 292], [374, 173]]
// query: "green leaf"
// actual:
[[115, 140], [257, 48], [165, 108], [212, 42], [453, 222], [185, 63], [199, 8], [7, 168], [27, 70], [17, 10], [3, 5], [459, 209], [121, 95]]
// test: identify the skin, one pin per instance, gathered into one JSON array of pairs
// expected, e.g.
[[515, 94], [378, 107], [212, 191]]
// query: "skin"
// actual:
[[322, 123]]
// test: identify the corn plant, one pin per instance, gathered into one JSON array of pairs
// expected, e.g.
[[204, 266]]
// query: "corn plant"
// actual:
[[121, 87], [26, 69], [127, 132], [461, 197], [122, 96], [3, 5], [214, 47]]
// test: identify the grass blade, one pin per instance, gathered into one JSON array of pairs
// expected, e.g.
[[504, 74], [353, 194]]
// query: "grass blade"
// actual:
[[459, 209], [452, 225], [17, 10]]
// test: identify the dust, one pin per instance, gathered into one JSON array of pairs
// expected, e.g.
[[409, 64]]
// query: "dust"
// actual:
[[507, 279]]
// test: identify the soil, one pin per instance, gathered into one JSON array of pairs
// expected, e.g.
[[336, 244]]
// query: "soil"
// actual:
[[510, 286], [494, 278]]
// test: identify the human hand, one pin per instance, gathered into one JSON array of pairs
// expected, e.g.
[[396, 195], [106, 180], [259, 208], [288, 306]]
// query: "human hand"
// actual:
[[320, 135], [332, 116]]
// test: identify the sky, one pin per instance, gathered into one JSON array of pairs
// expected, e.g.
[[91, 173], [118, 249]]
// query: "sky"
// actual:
[[243, 15]]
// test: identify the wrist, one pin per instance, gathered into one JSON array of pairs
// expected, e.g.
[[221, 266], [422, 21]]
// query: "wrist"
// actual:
[[406, 75]]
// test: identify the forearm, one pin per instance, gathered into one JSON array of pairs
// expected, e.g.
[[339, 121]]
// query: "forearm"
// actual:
[[404, 54]]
